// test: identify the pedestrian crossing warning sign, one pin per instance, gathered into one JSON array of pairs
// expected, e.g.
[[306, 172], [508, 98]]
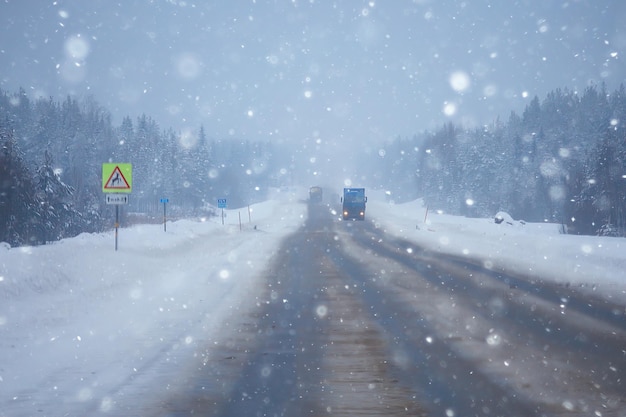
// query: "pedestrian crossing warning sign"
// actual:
[[117, 178]]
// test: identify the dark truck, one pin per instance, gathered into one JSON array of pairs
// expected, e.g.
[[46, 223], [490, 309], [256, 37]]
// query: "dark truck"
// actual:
[[354, 200], [315, 194]]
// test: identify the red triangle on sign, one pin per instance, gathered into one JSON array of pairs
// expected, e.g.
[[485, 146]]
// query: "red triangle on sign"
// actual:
[[117, 181]]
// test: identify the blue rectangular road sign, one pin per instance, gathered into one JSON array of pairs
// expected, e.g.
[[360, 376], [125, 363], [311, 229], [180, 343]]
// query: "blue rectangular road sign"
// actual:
[[221, 203], [165, 200]]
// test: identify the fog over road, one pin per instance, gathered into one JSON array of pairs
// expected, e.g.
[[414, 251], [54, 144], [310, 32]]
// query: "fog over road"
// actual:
[[351, 322]]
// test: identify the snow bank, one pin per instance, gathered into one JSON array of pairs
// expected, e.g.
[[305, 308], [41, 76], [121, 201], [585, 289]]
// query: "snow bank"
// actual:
[[534, 249]]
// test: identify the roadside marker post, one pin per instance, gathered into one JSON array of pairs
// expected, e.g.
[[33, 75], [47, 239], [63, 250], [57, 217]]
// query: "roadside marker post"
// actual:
[[165, 201]]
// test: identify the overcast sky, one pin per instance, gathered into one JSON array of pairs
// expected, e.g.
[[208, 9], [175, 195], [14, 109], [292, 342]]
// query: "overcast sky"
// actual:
[[322, 70]]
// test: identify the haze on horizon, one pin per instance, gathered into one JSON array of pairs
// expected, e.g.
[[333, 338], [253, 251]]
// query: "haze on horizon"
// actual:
[[340, 72]]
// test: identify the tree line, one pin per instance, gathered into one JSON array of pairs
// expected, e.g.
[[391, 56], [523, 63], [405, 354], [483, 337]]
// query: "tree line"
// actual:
[[563, 161], [51, 154]]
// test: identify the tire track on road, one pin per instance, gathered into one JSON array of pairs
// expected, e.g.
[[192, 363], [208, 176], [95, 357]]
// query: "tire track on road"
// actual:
[[581, 358], [310, 346]]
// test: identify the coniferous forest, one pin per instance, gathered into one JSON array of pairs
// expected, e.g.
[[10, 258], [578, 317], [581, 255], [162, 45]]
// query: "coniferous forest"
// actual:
[[563, 160], [51, 156]]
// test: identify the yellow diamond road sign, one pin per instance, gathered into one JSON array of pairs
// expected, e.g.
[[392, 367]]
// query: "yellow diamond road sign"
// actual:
[[117, 178]]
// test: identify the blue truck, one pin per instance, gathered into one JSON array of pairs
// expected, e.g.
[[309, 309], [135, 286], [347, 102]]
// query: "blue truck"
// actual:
[[354, 200]]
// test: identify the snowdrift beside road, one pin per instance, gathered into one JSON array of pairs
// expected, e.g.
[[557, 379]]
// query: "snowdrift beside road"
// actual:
[[531, 249], [79, 322]]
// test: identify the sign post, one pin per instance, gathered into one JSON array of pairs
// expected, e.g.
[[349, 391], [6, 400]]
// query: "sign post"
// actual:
[[117, 180], [117, 223], [221, 203], [165, 201]]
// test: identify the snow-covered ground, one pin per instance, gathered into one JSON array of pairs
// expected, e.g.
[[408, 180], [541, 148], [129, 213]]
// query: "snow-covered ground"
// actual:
[[79, 321], [593, 263]]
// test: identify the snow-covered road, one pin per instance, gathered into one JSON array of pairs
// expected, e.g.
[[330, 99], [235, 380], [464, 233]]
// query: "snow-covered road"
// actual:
[[355, 322]]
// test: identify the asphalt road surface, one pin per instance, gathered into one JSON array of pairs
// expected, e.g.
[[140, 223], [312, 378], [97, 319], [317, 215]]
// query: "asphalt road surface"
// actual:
[[352, 322]]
